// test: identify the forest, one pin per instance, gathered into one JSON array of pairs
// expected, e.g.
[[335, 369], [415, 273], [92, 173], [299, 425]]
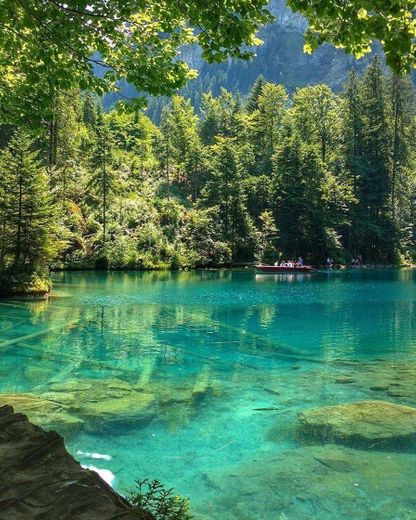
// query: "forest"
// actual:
[[270, 176]]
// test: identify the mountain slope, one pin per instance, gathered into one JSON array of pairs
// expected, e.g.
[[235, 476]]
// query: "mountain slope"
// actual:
[[280, 59]]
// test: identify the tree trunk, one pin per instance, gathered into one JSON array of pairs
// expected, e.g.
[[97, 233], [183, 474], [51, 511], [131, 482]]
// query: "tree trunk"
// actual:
[[395, 147], [104, 195], [18, 251]]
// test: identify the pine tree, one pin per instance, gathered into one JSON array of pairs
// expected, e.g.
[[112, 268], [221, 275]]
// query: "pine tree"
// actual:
[[300, 209], [224, 190], [252, 101], [352, 128], [103, 181], [90, 110], [267, 240], [377, 235], [27, 238], [65, 173], [6, 205], [402, 113], [220, 116], [180, 144]]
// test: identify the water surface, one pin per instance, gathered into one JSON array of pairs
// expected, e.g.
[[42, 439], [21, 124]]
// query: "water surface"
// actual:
[[196, 379]]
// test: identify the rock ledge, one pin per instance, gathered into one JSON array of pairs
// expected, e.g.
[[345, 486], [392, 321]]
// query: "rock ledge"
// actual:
[[40, 479]]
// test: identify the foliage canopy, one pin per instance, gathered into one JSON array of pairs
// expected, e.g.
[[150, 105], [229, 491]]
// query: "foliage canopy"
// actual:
[[355, 24], [52, 46]]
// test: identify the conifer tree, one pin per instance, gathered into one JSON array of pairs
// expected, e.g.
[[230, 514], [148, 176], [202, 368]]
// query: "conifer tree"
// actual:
[[224, 189], [377, 233], [27, 237], [267, 238], [90, 110], [181, 141], [64, 176], [300, 209], [352, 119], [219, 116], [103, 181], [352, 128], [402, 114], [252, 101]]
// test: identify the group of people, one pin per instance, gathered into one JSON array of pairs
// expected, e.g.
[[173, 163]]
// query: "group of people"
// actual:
[[290, 263], [330, 262], [357, 262]]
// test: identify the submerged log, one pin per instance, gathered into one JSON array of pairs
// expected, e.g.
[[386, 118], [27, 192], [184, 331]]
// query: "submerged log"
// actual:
[[40, 479]]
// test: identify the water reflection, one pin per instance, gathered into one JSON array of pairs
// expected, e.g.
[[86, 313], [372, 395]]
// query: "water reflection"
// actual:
[[281, 277], [132, 316]]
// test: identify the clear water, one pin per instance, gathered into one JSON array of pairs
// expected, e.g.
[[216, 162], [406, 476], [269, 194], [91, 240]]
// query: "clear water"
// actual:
[[226, 360]]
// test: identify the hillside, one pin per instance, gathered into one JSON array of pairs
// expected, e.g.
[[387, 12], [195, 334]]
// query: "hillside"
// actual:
[[280, 60]]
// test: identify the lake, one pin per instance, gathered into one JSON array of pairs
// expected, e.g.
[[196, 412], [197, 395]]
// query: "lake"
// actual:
[[197, 379]]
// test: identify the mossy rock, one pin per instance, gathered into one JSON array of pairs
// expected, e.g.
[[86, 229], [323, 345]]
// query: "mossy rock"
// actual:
[[59, 398], [115, 399], [365, 424], [41, 410], [100, 398], [70, 386], [133, 404], [118, 384]]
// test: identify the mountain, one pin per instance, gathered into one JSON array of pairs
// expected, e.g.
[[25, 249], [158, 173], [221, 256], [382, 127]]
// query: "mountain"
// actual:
[[280, 60]]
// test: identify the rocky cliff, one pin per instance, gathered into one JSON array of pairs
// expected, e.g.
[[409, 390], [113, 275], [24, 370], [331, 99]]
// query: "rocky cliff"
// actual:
[[280, 59]]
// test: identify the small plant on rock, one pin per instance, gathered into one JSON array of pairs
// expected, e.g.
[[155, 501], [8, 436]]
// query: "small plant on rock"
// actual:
[[152, 497]]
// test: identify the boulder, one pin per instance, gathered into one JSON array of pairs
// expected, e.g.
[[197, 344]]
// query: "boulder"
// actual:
[[365, 424], [44, 481]]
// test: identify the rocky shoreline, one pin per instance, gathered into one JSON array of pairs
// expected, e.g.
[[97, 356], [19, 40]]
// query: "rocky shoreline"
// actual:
[[40, 479]]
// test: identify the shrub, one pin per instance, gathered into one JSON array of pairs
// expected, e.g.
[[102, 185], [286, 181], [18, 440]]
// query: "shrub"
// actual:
[[151, 496]]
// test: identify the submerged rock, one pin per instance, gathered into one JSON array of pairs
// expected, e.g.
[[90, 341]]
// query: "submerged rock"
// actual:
[[345, 380], [47, 412], [101, 398], [77, 401], [365, 424], [44, 481], [132, 404], [315, 482], [386, 378], [70, 386]]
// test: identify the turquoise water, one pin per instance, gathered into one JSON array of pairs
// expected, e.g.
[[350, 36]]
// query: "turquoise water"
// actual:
[[197, 379]]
